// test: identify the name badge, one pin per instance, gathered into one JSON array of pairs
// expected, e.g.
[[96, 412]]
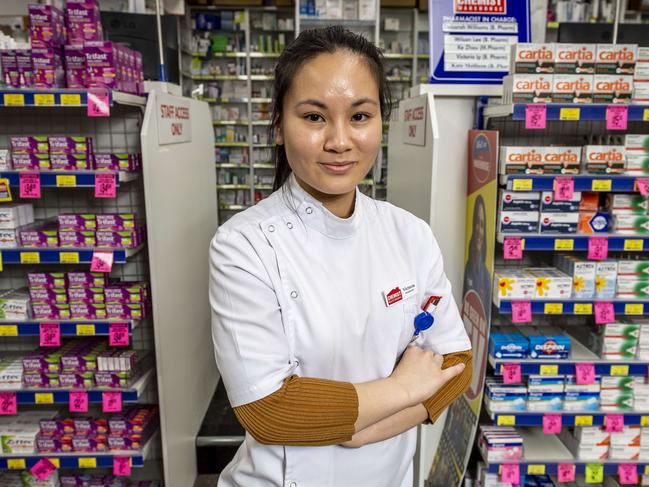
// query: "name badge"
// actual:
[[399, 293]]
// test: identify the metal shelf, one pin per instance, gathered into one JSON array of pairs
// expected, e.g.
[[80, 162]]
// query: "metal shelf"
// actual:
[[571, 241], [579, 307], [73, 179], [262, 77], [583, 182], [396, 55], [224, 165], [24, 255], [265, 54], [62, 98], [261, 100], [233, 186], [68, 328], [399, 79], [592, 112], [233, 207], [230, 144], [568, 418], [229, 122]]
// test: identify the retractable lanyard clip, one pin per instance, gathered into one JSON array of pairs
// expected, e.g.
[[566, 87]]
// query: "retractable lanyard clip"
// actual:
[[425, 319]]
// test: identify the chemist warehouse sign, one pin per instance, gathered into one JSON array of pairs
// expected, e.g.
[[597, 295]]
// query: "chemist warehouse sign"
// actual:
[[174, 119], [470, 39]]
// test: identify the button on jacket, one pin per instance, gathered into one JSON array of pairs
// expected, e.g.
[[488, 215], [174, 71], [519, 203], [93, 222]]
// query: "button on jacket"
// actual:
[[296, 290]]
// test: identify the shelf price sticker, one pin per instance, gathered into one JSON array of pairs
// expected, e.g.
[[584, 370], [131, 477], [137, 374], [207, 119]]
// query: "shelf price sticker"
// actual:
[[16, 464], [30, 185], [66, 181], [645, 115], [551, 425], [633, 244], [68, 99], [535, 116], [553, 308], [50, 335], [510, 473], [604, 312], [583, 420], [583, 308], [522, 184], [78, 402], [546, 369], [535, 469], [506, 420], [30, 258], [585, 374], [85, 330], [44, 398], [118, 335], [122, 466], [620, 370], [44, 99], [98, 102], [597, 248], [633, 309], [644, 421], [14, 100], [69, 257], [564, 244], [643, 186], [513, 248], [105, 185], [569, 114], [102, 261], [601, 185], [43, 469], [594, 473], [87, 462], [111, 402], [564, 188], [627, 473], [8, 330], [566, 472], [617, 117], [614, 423], [512, 373], [8, 403], [521, 311]]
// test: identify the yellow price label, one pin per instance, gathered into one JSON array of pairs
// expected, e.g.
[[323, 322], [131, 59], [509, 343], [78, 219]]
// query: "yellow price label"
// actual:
[[87, 462], [70, 99], [553, 308], [583, 308], [44, 99], [14, 99], [569, 114], [633, 244], [646, 470], [16, 464], [622, 370], [644, 421], [645, 115], [44, 398], [85, 329], [601, 185], [564, 244], [594, 473], [522, 185], [553, 25], [506, 420], [56, 462], [583, 420], [549, 369], [66, 181], [69, 257], [30, 258], [536, 470], [9, 330], [633, 308], [1, 267]]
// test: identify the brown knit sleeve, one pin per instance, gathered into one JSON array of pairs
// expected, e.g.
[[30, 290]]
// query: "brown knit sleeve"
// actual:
[[303, 412], [450, 391]]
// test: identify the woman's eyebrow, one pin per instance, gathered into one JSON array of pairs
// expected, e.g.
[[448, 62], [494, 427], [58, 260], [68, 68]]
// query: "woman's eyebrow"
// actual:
[[319, 104]]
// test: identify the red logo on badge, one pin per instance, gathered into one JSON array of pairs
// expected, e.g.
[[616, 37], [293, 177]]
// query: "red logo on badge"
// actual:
[[480, 7], [394, 296]]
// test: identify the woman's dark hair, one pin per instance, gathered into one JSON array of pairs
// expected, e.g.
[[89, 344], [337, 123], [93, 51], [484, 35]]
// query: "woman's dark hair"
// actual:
[[478, 211], [308, 45]]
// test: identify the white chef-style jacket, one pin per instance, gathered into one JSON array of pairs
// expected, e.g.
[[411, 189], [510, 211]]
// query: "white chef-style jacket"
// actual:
[[296, 290]]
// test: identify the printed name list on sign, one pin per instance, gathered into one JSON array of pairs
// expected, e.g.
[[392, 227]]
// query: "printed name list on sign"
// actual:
[[470, 39], [174, 119]]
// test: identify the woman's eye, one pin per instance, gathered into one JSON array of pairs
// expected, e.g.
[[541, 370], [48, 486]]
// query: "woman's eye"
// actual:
[[313, 117], [360, 117]]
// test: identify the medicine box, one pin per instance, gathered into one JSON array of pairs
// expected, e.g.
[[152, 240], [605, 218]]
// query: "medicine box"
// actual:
[[551, 283], [593, 222], [544, 401], [574, 58], [545, 383], [612, 400], [637, 162], [603, 159], [550, 205], [612, 88], [628, 224], [583, 276], [519, 222], [633, 268], [581, 401], [622, 328], [561, 159], [548, 343], [636, 141], [513, 283], [527, 88], [605, 279], [616, 58], [521, 160], [532, 58], [508, 345], [592, 435], [632, 288], [519, 200], [564, 222], [572, 88], [627, 203]]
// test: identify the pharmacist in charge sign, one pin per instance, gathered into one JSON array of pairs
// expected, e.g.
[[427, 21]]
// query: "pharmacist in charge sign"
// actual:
[[470, 39], [174, 119]]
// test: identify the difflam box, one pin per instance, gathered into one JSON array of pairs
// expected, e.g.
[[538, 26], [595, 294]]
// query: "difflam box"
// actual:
[[609, 88], [629, 224], [603, 159], [574, 58], [636, 141], [564, 222], [528, 88], [615, 58], [532, 58], [637, 162], [572, 88], [635, 204]]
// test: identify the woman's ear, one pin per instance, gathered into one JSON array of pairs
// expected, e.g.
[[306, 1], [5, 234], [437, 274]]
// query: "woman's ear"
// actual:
[[279, 135]]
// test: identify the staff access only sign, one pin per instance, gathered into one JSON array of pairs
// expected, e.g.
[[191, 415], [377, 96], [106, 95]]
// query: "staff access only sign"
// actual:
[[174, 119], [470, 40]]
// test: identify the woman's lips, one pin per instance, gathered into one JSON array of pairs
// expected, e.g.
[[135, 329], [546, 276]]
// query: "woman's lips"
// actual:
[[337, 167]]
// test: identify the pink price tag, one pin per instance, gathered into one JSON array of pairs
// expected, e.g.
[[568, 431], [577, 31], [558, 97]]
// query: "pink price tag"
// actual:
[[510, 473], [122, 466], [535, 116], [513, 248], [98, 103], [617, 117], [521, 311], [43, 469], [604, 312], [597, 248], [643, 186], [552, 424], [8, 403], [50, 335], [585, 374], [118, 335], [628, 474], [78, 402], [102, 261], [111, 402], [30, 185], [105, 185], [512, 373], [564, 188], [614, 423], [566, 472]]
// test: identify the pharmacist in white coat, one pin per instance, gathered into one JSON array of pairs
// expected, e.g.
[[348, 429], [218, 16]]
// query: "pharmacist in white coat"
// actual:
[[315, 290]]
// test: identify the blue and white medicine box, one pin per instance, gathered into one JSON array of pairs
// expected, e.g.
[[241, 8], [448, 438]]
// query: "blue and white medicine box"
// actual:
[[508, 345], [519, 200]]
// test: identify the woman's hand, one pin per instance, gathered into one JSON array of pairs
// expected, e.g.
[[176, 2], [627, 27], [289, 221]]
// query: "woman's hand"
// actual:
[[420, 374]]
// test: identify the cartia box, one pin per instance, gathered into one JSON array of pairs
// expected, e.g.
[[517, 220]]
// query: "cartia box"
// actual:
[[612, 88], [521, 159], [574, 58], [528, 88], [561, 159], [604, 159], [532, 58], [616, 58], [572, 88]]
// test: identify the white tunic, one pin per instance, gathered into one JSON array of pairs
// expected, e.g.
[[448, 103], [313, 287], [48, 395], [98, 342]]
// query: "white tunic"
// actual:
[[296, 290]]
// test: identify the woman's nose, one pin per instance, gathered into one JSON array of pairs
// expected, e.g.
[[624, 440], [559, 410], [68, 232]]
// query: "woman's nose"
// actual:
[[338, 138]]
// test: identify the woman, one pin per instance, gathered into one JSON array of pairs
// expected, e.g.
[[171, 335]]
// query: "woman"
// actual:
[[314, 291], [476, 274]]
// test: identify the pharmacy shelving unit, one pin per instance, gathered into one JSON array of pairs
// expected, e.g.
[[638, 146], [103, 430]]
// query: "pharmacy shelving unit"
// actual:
[[131, 127], [567, 124]]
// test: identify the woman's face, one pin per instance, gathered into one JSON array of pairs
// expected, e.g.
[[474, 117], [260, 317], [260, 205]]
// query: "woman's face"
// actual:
[[331, 123]]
